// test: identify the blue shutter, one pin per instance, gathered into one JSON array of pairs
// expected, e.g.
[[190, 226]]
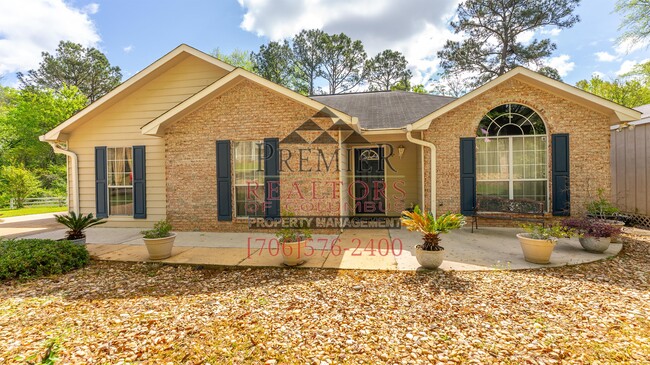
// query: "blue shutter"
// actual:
[[224, 183], [101, 183], [560, 175], [272, 177], [139, 183], [467, 176]]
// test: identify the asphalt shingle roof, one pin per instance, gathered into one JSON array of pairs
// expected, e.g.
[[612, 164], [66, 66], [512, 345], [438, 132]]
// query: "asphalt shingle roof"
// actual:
[[385, 109]]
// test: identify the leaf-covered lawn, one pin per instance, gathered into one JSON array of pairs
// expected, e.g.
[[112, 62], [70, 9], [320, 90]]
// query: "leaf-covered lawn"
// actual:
[[152, 314], [32, 210]]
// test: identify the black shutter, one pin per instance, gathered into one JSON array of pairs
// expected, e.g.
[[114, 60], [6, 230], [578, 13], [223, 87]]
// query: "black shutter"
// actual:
[[467, 176], [139, 183], [560, 175], [101, 183], [272, 177], [224, 184]]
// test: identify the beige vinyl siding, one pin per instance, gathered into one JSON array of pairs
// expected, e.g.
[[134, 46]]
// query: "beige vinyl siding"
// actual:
[[120, 126]]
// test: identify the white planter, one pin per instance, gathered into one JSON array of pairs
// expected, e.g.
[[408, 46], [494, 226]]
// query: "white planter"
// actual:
[[159, 248], [293, 253], [536, 251], [596, 245], [429, 259], [78, 241]]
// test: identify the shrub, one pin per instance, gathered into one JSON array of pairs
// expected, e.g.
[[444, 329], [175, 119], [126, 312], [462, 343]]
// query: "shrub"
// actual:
[[18, 183], [588, 227], [161, 229], [601, 207], [32, 258], [539, 232]]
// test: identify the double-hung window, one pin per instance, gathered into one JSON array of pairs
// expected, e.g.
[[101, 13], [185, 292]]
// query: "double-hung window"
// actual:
[[249, 178], [120, 180]]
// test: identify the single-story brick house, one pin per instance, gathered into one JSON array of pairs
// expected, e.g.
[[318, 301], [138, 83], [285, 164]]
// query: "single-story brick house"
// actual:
[[207, 146]]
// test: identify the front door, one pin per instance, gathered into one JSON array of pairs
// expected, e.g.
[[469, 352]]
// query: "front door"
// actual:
[[369, 181]]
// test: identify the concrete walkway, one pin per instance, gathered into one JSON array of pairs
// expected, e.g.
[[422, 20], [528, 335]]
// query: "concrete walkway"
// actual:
[[25, 225], [361, 249]]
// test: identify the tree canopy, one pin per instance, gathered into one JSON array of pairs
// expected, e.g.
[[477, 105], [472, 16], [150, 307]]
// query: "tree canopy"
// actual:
[[636, 19], [343, 61], [386, 70], [628, 92], [493, 30], [237, 58], [274, 62], [72, 64], [308, 59]]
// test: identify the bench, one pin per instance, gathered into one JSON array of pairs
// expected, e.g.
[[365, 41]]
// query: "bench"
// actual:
[[525, 210]]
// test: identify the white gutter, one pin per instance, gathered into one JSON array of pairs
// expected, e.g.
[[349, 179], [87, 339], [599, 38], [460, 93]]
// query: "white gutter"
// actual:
[[341, 183], [75, 171], [432, 147]]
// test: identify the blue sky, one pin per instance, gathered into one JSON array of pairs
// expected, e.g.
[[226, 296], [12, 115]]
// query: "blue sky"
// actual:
[[135, 33]]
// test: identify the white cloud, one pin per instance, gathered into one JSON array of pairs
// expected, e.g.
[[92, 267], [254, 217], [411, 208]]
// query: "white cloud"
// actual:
[[417, 28], [553, 32], [628, 65], [526, 36], [630, 46], [29, 27], [91, 8], [128, 48], [605, 57], [598, 74], [562, 64]]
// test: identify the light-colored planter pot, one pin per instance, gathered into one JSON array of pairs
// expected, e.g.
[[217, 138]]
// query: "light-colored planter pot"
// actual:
[[160, 248], [596, 245], [293, 253], [536, 251], [429, 259]]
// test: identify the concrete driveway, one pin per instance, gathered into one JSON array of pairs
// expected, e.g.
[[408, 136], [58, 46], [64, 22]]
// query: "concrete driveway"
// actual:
[[26, 225]]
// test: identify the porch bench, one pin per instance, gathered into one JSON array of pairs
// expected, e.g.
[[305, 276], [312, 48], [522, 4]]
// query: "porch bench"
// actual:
[[524, 210]]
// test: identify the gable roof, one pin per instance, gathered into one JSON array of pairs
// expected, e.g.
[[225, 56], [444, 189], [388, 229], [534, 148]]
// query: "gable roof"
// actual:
[[385, 109], [164, 63], [156, 126], [617, 112]]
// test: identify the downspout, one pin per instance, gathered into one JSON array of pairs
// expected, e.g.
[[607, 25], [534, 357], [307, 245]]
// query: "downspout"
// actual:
[[341, 183], [432, 167], [75, 171]]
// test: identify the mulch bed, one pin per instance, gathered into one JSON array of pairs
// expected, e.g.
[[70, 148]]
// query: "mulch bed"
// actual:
[[155, 314]]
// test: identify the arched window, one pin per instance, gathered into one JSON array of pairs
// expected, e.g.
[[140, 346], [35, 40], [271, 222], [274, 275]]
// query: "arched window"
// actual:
[[512, 154]]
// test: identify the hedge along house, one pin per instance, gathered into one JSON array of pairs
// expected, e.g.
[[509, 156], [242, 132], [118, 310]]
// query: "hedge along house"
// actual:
[[209, 146]]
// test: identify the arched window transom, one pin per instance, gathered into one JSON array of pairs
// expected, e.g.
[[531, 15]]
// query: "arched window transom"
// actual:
[[512, 154]]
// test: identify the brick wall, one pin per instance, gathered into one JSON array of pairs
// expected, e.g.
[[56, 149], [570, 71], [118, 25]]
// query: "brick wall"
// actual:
[[245, 112], [588, 131]]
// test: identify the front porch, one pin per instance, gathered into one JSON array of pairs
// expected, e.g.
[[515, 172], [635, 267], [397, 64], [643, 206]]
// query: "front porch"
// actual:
[[489, 248]]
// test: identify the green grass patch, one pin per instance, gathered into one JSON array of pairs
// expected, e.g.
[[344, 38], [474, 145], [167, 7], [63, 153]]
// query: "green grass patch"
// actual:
[[32, 258], [5, 213]]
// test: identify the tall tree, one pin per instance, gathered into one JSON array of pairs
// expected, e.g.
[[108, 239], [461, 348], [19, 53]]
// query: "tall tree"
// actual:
[[274, 62], [450, 84], [630, 92], [636, 19], [386, 69], [307, 57], [493, 30], [72, 64], [237, 58], [29, 114], [343, 61]]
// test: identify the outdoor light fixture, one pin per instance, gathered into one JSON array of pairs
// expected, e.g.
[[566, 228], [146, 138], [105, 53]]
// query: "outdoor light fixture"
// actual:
[[400, 150]]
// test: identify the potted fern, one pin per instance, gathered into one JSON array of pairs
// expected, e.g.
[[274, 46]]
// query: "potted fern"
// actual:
[[538, 241], [159, 240], [430, 254], [77, 224]]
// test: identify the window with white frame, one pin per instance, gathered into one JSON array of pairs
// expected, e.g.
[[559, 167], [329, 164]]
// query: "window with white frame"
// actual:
[[120, 180], [249, 179], [512, 154]]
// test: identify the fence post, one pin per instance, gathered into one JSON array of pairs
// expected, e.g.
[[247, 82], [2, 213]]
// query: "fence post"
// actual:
[[11, 203]]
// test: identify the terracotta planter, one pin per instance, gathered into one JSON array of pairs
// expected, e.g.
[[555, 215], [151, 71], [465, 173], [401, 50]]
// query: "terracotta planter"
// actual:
[[595, 244], [536, 251], [429, 259], [293, 253], [159, 248]]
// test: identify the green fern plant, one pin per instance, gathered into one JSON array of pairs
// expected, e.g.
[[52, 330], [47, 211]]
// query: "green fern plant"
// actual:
[[77, 224]]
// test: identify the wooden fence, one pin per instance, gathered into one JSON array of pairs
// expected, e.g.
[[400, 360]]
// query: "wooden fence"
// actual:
[[50, 201], [630, 156]]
